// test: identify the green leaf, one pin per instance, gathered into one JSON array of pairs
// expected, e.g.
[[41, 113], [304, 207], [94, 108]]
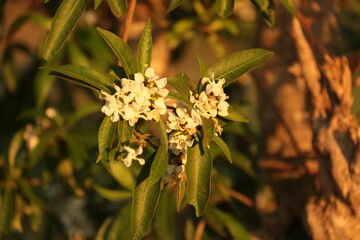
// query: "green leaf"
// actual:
[[202, 66], [160, 162], [125, 132], [180, 82], [267, 9], [238, 63], [208, 128], [224, 8], [122, 174], [146, 197], [81, 75], [235, 116], [62, 25], [101, 232], [120, 228], [39, 151], [180, 97], [97, 3], [81, 113], [105, 139], [117, 7], [174, 4], [121, 50], [164, 222], [15, 145], [112, 195], [198, 171], [145, 48], [289, 5], [180, 194], [236, 229], [7, 212], [222, 145]]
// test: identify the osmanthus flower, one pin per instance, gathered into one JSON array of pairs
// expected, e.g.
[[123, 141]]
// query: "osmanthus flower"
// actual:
[[174, 173], [132, 155], [141, 97], [181, 126], [212, 101]]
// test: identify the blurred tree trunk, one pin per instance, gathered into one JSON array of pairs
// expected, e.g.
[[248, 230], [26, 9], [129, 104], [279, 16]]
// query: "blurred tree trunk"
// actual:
[[311, 150]]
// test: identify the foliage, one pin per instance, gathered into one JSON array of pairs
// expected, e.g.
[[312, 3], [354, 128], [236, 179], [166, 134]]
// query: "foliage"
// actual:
[[57, 138]]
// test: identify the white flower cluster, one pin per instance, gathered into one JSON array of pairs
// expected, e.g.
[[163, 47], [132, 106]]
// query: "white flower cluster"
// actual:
[[143, 97], [132, 155], [174, 173], [181, 127], [212, 101]]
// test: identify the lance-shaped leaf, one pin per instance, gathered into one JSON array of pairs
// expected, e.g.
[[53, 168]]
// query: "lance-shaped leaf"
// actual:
[[179, 82], [289, 5], [202, 66], [267, 9], [224, 8], [62, 25], [97, 3], [120, 229], [174, 4], [198, 171], [160, 162], [208, 129], [144, 203], [105, 139], [117, 7], [121, 50], [113, 195], [235, 116], [81, 75], [238, 63], [222, 145], [180, 97], [164, 222], [236, 228], [145, 48]]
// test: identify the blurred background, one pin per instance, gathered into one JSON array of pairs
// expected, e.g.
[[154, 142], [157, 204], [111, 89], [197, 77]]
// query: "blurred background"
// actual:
[[50, 185]]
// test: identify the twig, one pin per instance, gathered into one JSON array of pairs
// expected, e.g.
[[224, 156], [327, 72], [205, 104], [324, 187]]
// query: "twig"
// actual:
[[128, 20], [238, 196], [200, 230]]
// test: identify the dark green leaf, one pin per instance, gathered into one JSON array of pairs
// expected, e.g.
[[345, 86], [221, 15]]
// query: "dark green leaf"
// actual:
[[81, 75], [113, 195], [77, 152], [7, 212], [120, 229], [224, 8], [222, 145], [97, 3], [180, 97], [165, 216], [202, 66], [238, 63], [62, 25], [267, 9], [235, 116], [144, 204], [118, 7], [160, 162], [121, 50], [105, 139], [125, 132], [145, 48], [289, 5], [236, 229], [81, 113], [198, 171], [208, 128], [122, 174], [174, 4], [180, 194], [180, 84]]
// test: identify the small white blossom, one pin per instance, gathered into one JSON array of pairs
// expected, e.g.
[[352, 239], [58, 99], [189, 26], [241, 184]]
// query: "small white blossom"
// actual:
[[143, 97], [132, 155], [179, 142], [174, 173]]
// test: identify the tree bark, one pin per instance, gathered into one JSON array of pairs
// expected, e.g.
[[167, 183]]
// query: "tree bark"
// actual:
[[311, 139]]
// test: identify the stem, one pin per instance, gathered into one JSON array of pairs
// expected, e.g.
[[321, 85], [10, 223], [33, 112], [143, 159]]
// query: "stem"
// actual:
[[128, 20]]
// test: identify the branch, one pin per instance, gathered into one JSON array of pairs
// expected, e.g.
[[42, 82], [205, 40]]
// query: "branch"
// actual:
[[128, 20]]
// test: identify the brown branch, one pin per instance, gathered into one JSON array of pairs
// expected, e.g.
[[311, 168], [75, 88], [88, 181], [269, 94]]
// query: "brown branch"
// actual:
[[128, 20], [234, 194]]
